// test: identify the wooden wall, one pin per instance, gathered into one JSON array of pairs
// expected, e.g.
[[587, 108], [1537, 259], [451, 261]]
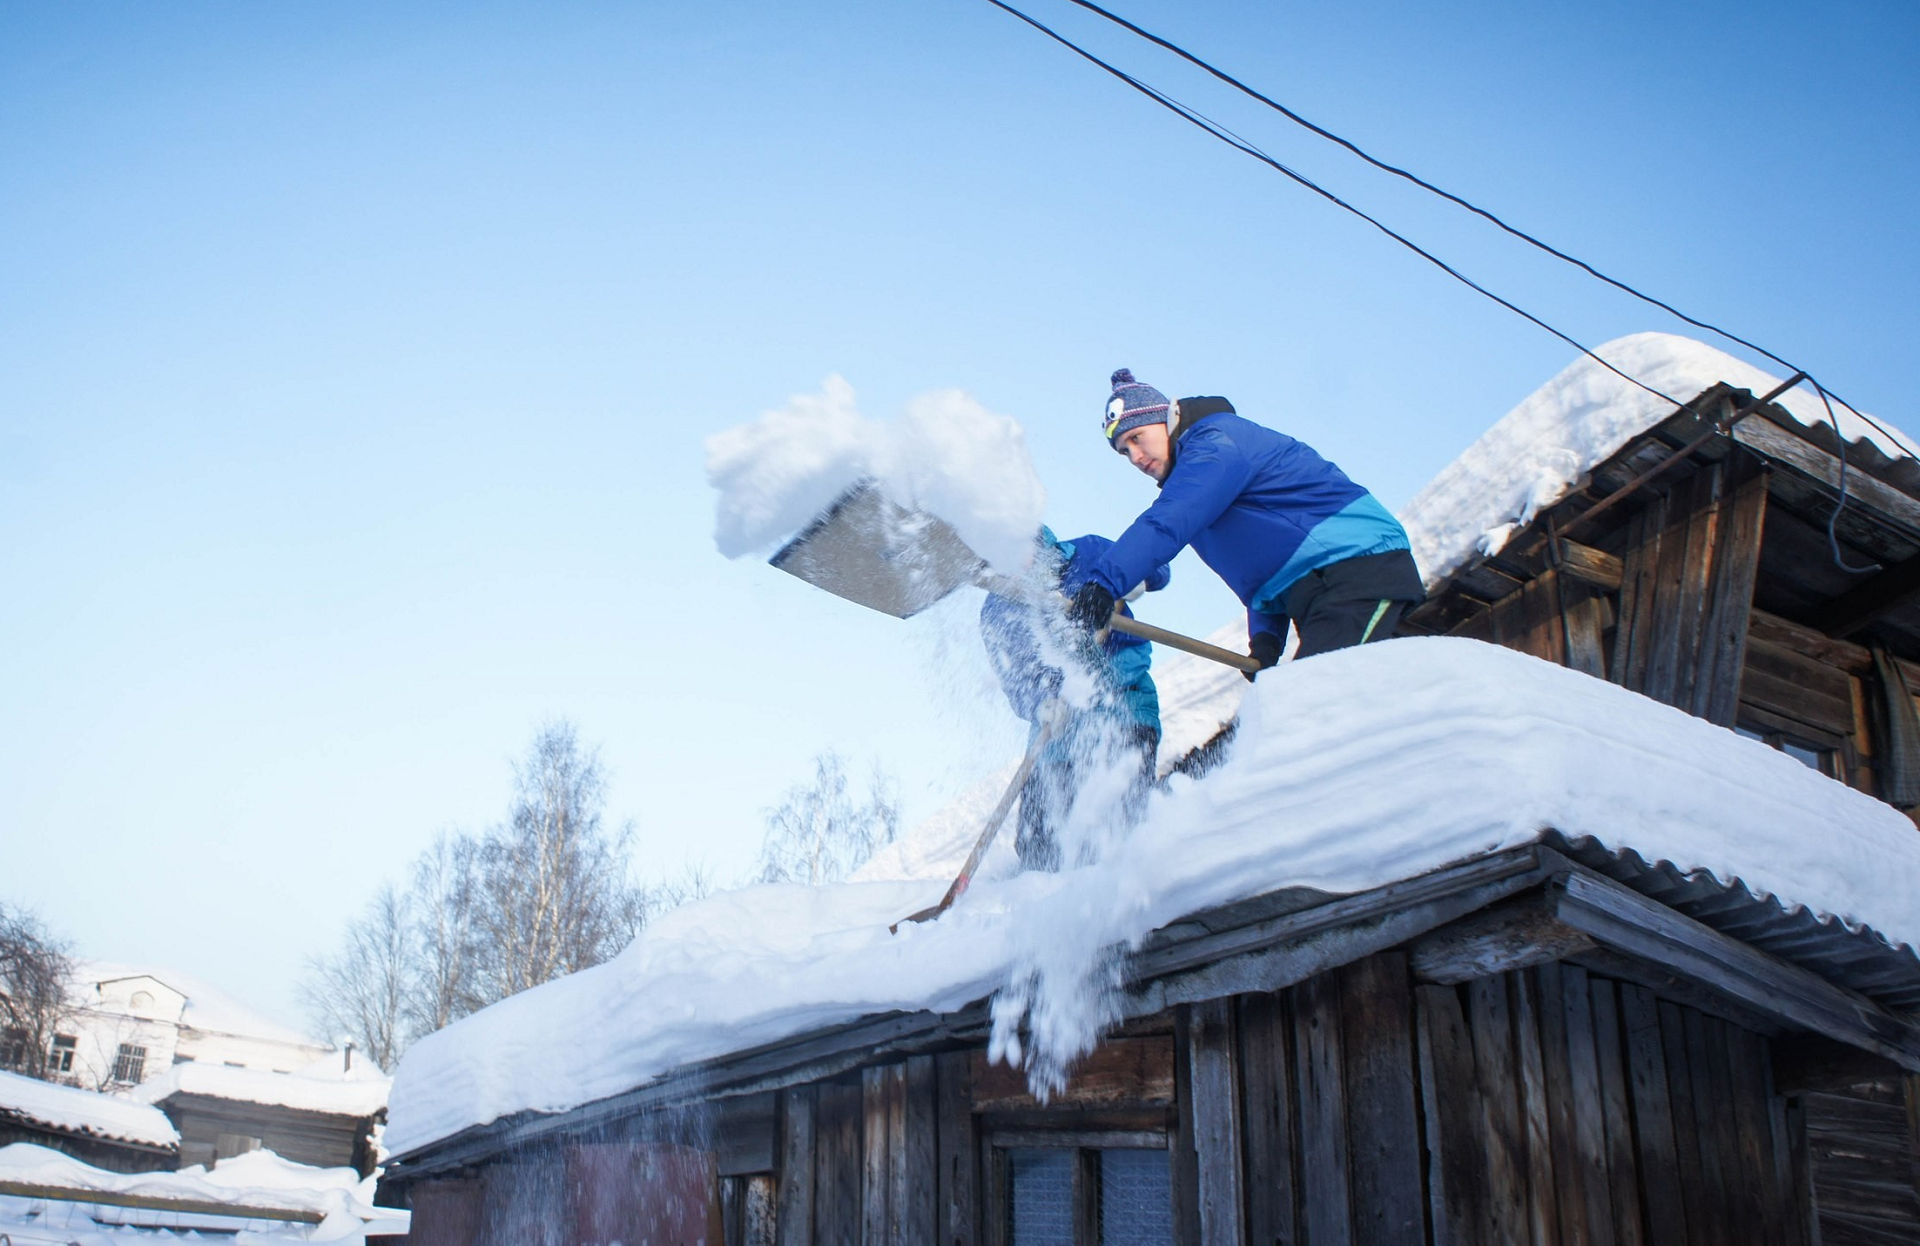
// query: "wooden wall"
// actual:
[[322, 1139], [1864, 1145], [1362, 1107], [100, 1152]]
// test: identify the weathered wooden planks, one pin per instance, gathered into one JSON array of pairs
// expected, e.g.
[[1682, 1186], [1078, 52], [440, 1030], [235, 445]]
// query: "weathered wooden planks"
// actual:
[[1266, 1060], [1318, 1074], [1211, 1051], [957, 1154], [793, 1206]]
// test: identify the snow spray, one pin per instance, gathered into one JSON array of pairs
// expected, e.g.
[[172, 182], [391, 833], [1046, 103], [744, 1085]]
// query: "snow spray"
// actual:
[[649, 1176], [947, 456], [1088, 790]]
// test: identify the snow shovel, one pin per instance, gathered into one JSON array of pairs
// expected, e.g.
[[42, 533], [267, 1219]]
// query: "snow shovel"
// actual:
[[1048, 729], [869, 549]]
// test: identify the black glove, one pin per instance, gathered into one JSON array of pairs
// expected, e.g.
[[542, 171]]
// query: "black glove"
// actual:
[[1091, 608], [1264, 648]]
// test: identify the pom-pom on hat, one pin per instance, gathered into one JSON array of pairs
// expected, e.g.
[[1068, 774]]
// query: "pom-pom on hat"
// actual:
[[1131, 405]]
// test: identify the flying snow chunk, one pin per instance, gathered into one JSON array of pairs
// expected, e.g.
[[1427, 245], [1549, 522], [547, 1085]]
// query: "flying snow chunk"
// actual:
[[948, 457]]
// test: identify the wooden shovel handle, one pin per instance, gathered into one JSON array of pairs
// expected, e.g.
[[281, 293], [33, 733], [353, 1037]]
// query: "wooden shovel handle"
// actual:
[[1186, 644]]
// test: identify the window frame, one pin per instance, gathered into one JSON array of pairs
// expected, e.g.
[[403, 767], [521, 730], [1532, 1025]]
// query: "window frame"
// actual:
[[1085, 1145], [130, 1064], [1776, 730]]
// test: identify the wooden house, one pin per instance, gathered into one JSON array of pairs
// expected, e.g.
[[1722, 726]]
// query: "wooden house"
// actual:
[[1555, 1042], [94, 1128]]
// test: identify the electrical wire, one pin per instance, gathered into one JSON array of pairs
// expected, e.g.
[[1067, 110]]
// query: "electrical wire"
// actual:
[[1233, 140], [1474, 208], [1833, 520], [1239, 144]]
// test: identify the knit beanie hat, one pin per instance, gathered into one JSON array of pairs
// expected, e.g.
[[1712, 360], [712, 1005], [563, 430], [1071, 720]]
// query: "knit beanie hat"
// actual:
[[1131, 405]]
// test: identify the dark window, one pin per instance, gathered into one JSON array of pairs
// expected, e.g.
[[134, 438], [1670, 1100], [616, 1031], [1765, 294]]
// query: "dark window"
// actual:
[[60, 1058], [14, 1046], [1042, 1196], [1136, 1199], [130, 1065], [1812, 756], [1088, 1196]]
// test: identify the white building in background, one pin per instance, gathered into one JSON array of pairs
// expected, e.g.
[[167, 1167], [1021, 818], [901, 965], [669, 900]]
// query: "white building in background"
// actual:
[[130, 1024]]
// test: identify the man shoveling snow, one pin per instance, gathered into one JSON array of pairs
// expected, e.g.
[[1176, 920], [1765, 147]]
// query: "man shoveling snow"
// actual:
[[1287, 530]]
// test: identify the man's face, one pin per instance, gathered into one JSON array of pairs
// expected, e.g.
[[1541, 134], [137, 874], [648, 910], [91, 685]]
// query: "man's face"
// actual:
[[1146, 448]]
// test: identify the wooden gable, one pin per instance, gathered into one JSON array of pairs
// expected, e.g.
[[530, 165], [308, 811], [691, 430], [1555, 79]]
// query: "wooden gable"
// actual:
[[1694, 566]]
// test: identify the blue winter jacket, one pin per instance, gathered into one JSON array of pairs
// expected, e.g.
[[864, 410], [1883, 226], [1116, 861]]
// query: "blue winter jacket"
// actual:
[[1259, 507], [1014, 646]]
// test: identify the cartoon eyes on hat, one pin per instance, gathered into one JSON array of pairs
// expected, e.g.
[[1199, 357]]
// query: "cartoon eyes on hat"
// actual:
[[1115, 409]]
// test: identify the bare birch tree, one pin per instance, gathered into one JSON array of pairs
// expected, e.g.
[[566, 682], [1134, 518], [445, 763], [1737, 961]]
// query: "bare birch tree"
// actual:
[[360, 992], [443, 987], [553, 894], [820, 832], [34, 972]]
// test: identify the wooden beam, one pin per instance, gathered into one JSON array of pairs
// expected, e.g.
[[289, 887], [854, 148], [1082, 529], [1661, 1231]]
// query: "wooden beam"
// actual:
[[1272, 954], [149, 1202], [1647, 930], [1509, 936], [1804, 1062], [1872, 599], [1808, 643], [1789, 446], [1596, 567]]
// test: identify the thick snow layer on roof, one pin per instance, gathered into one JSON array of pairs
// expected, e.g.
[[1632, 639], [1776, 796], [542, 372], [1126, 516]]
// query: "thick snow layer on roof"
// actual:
[[84, 1111], [1532, 456], [207, 1008], [322, 1087], [259, 1179], [1350, 771]]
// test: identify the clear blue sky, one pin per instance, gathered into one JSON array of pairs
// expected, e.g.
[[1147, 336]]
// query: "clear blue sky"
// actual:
[[355, 361]]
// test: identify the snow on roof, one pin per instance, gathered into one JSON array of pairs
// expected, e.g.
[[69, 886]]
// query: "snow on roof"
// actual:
[[208, 1008], [1532, 456], [1351, 771], [79, 1111], [321, 1087], [257, 1179]]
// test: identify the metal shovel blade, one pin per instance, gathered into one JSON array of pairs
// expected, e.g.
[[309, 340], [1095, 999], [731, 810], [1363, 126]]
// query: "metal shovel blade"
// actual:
[[869, 549]]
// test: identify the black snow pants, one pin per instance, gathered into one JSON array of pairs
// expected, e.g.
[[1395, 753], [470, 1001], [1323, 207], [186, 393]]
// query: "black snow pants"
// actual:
[[1353, 601]]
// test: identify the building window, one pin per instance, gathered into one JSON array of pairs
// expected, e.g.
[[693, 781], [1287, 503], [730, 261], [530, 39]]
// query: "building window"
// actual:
[[226, 1146], [60, 1056], [1087, 1196], [14, 1046], [130, 1065], [1812, 756]]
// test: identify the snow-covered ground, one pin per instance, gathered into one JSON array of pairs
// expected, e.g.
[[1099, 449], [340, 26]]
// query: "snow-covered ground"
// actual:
[[84, 1111], [1352, 770], [1534, 455], [260, 1179]]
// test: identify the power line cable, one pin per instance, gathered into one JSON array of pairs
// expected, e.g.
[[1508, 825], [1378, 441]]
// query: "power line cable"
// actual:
[[1477, 210], [1239, 144], [1220, 132]]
